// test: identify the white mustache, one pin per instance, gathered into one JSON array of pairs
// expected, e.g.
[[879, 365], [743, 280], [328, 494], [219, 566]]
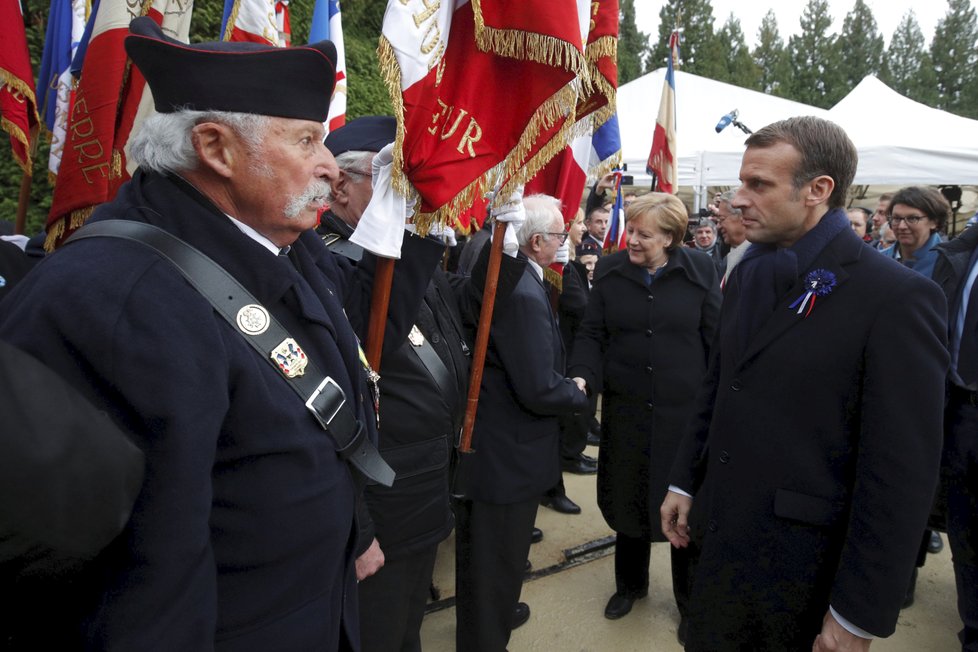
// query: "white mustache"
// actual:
[[315, 193]]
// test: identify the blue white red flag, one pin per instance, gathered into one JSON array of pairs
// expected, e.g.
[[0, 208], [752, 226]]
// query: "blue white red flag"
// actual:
[[662, 158], [326, 24], [109, 102], [250, 20], [66, 24], [283, 23], [605, 148], [614, 238]]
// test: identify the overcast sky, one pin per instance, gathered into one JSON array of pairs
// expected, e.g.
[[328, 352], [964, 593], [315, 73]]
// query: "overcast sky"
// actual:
[[888, 14]]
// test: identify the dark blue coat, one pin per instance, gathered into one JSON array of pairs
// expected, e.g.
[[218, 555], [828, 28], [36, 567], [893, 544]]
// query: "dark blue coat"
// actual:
[[813, 455], [523, 391], [242, 536]]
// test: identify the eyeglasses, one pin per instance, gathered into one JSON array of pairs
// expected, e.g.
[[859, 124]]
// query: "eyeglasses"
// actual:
[[893, 220], [561, 236]]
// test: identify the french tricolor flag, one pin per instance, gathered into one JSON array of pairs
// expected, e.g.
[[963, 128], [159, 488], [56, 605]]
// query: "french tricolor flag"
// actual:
[[662, 158], [326, 25]]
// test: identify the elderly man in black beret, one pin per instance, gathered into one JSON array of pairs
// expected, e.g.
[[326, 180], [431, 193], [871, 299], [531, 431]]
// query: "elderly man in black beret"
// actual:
[[243, 535]]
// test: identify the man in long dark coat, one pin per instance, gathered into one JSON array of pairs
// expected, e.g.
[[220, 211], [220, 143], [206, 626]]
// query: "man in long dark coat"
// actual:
[[242, 536], [814, 456]]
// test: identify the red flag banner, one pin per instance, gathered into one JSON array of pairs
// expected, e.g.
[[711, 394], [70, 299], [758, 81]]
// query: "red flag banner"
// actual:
[[456, 139], [18, 101], [109, 101], [662, 157], [601, 54]]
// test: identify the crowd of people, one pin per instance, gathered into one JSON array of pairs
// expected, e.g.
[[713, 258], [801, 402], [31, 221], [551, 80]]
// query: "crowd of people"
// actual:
[[784, 384]]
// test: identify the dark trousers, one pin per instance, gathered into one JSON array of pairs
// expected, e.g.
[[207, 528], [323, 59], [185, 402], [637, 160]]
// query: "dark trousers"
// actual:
[[392, 603], [491, 547], [632, 557], [960, 470], [573, 434]]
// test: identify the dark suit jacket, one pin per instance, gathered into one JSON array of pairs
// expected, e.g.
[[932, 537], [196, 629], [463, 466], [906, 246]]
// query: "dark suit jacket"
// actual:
[[242, 535], [814, 456], [523, 391]]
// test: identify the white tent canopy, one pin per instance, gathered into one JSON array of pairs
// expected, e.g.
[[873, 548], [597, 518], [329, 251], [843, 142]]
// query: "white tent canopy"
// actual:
[[706, 158], [903, 142], [900, 141]]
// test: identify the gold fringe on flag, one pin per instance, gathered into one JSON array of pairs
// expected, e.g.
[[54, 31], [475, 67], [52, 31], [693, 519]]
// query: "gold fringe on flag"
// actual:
[[232, 19], [553, 278], [18, 133], [65, 226], [528, 46]]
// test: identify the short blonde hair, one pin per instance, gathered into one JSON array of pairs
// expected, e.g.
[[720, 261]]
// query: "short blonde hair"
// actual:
[[667, 212]]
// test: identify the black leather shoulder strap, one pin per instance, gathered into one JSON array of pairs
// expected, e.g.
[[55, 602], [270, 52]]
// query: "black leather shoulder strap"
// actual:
[[321, 394]]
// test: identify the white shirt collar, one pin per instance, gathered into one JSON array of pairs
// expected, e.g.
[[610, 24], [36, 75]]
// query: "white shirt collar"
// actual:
[[536, 267], [256, 236]]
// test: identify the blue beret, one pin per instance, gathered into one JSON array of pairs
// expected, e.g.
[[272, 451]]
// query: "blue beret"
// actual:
[[366, 134]]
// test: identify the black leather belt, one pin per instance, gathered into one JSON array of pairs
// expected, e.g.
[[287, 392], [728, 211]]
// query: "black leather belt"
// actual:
[[323, 397], [962, 395]]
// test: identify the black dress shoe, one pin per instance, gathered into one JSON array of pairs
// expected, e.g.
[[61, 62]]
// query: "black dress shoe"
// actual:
[[593, 439], [682, 631], [521, 614], [588, 458], [618, 606], [528, 567], [936, 543], [561, 503], [578, 466], [536, 535]]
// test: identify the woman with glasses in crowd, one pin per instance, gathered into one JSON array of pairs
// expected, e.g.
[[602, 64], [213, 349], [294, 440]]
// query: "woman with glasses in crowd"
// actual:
[[917, 217], [644, 343]]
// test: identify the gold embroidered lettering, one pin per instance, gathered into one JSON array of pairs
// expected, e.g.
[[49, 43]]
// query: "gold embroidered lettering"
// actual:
[[435, 117], [461, 114], [101, 167], [85, 150], [473, 134]]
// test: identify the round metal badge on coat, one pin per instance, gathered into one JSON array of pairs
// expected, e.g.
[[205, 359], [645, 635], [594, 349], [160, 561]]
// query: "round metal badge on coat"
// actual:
[[253, 319]]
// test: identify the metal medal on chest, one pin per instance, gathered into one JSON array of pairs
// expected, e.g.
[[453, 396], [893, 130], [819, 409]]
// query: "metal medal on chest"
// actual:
[[290, 358], [253, 319], [415, 337]]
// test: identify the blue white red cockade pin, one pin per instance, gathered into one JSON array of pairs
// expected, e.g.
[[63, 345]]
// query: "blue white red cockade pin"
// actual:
[[818, 283]]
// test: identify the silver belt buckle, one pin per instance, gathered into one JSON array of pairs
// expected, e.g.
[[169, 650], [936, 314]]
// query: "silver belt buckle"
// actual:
[[312, 399]]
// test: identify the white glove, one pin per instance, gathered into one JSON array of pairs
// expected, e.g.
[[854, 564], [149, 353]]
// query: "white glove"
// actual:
[[511, 212], [563, 253], [381, 227]]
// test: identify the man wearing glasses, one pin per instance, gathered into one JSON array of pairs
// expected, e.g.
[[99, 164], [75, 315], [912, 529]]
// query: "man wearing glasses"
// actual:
[[515, 440]]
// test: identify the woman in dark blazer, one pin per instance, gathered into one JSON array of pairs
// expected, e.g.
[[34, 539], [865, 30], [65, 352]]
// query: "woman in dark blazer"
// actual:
[[644, 343]]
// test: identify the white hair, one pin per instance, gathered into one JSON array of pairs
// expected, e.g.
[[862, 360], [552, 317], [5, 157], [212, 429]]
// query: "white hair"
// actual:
[[164, 141], [539, 215], [356, 164]]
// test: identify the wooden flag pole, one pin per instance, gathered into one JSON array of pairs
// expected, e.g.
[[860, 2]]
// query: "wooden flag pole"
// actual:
[[482, 337], [379, 302]]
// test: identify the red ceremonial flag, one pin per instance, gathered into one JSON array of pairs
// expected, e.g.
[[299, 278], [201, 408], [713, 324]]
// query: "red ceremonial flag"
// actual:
[[18, 101], [108, 103], [456, 137], [662, 157]]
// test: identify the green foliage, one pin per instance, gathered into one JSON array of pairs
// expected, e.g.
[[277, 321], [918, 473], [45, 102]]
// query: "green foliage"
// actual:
[[771, 57], [816, 76], [633, 45], [740, 69], [954, 57], [860, 46], [700, 52], [907, 66]]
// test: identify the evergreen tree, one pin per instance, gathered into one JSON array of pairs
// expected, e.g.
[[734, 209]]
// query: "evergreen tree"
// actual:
[[771, 57], [859, 47], [633, 45], [701, 54], [907, 66], [816, 78], [741, 69], [954, 56]]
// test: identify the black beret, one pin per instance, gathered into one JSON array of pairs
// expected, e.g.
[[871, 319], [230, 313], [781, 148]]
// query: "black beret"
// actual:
[[366, 134], [588, 247], [240, 77]]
